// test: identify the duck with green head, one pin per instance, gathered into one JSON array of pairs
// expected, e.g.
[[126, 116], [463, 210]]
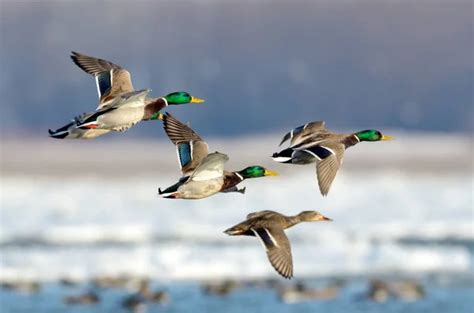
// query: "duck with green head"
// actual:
[[192, 150], [232, 179], [313, 142], [120, 105]]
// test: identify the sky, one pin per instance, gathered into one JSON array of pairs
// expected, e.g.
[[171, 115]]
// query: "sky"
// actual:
[[262, 66]]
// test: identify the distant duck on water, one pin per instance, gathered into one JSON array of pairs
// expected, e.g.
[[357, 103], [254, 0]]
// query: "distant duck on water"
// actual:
[[312, 142]]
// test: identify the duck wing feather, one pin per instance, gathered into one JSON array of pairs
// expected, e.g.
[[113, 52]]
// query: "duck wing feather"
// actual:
[[278, 249], [111, 79], [190, 147]]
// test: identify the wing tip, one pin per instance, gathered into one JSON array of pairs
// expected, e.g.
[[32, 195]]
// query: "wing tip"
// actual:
[[284, 139]]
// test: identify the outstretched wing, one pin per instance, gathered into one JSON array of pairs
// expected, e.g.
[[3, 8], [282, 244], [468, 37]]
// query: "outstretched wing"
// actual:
[[111, 79], [211, 167], [278, 249], [303, 132], [330, 157], [190, 147]]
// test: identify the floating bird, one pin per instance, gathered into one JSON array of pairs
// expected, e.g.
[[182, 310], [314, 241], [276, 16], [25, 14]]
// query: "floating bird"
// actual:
[[26, 287], [406, 290], [69, 282], [222, 288], [300, 292], [192, 150], [269, 226], [137, 301], [312, 142], [120, 106], [87, 298]]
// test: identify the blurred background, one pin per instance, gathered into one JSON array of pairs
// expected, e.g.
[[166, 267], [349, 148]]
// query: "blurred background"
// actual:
[[78, 217]]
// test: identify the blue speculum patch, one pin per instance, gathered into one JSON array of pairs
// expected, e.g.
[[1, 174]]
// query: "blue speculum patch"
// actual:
[[184, 151], [320, 151], [103, 81]]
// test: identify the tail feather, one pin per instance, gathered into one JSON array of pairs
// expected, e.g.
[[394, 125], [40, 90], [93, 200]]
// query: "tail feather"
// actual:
[[173, 188], [284, 156], [60, 133], [292, 156], [174, 195]]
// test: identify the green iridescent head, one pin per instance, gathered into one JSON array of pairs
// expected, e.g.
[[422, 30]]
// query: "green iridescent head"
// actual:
[[372, 135], [181, 97], [255, 171]]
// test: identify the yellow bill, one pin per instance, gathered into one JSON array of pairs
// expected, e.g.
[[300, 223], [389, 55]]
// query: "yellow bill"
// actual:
[[325, 218], [196, 100], [386, 138], [270, 173]]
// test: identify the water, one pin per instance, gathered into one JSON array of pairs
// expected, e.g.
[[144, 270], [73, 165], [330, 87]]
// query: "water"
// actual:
[[413, 222], [189, 297]]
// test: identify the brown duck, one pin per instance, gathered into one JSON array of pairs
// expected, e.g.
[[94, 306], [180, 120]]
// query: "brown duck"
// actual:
[[313, 142], [269, 226]]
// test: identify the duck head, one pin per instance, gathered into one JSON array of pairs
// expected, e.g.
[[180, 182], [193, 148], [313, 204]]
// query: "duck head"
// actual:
[[312, 216], [255, 171], [181, 97], [372, 135]]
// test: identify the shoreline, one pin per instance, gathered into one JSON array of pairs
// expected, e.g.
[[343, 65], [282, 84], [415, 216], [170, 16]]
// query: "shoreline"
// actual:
[[423, 153]]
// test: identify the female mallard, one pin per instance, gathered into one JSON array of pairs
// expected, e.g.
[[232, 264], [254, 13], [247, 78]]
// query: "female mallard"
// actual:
[[192, 149], [120, 106], [314, 143], [269, 226]]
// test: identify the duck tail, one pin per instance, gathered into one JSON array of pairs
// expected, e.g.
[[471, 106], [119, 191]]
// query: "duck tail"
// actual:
[[89, 120], [284, 156], [60, 133], [174, 195], [90, 125], [289, 155], [168, 193]]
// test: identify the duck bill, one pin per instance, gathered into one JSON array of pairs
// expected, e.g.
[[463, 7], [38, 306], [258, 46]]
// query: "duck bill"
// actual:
[[387, 138], [270, 173], [196, 100], [324, 218]]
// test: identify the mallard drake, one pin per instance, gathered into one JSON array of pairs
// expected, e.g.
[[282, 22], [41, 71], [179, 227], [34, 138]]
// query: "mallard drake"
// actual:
[[192, 149], [120, 106], [312, 142], [203, 181], [269, 227]]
